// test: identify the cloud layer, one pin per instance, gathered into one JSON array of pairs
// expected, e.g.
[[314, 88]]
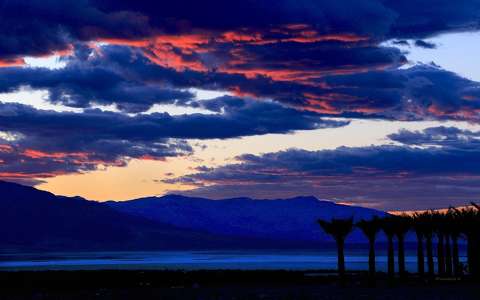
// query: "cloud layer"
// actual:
[[47, 143], [115, 75], [442, 169], [46, 26], [311, 55]]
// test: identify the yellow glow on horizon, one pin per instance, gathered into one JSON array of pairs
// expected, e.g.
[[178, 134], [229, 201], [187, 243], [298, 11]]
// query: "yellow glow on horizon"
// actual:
[[140, 178], [143, 177]]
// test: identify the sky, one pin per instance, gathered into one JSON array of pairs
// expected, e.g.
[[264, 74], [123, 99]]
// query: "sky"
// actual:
[[376, 105]]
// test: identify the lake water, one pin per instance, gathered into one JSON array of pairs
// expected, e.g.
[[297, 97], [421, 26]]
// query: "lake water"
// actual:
[[193, 260]]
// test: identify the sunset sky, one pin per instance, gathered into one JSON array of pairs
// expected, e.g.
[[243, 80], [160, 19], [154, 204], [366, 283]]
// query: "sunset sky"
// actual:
[[373, 103]]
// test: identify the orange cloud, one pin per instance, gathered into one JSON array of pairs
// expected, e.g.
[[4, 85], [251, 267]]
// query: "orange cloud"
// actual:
[[165, 56], [181, 52], [39, 154], [150, 157], [236, 36], [304, 71], [300, 33], [323, 104], [13, 175], [461, 113], [14, 62], [6, 148]]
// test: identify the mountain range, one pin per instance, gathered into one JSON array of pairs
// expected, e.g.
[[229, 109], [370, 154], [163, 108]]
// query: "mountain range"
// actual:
[[31, 219]]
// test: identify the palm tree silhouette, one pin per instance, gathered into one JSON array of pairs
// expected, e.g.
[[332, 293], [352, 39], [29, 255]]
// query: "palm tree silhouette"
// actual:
[[439, 228], [419, 229], [448, 255], [339, 230], [450, 230], [470, 222], [475, 238], [448, 227], [455, 228], [370, 229], [426, 220], [388, 226], [402, 226]]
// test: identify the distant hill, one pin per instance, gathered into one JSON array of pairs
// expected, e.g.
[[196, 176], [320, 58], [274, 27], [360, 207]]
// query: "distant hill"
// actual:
[[34, 220], [31, 219], [289, 220]]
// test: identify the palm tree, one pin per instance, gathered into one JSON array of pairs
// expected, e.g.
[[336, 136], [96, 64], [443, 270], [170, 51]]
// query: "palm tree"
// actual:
[[402, 226], [370, 229], [470, 222], [475, 240], [419, 229], [449, 228], [455, 230], [388, 226], [339, 230], [448, 255], [426, 220], [439, 228], [455, 255]]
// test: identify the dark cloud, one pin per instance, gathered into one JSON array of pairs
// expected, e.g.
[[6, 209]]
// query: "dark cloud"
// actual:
[[127, 78], [446, 137], [85, 81], [425, 44], [305, 62], [420, 92], [330, 15], [294, 62], [48, 143], [374, 161], [36, 27], [301, 53], [238, 117], [421, 19], [39, 27], [401, 43], [443, 171]]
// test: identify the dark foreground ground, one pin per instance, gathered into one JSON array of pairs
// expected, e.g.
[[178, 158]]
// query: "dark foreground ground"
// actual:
[[222, 285]]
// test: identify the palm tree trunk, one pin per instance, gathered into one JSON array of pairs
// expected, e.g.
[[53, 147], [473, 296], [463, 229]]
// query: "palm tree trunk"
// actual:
[[341, 258], [440, 255], [448, 256], [420, 256], [476, 253], [430, 264], [456, 257], [391, 258], [401, 255], [470, 254], [371, 257]]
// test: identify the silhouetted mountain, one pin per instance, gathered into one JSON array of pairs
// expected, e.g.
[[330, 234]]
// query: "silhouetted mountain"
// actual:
[[288, 220], [34, 219], [31, 219]]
